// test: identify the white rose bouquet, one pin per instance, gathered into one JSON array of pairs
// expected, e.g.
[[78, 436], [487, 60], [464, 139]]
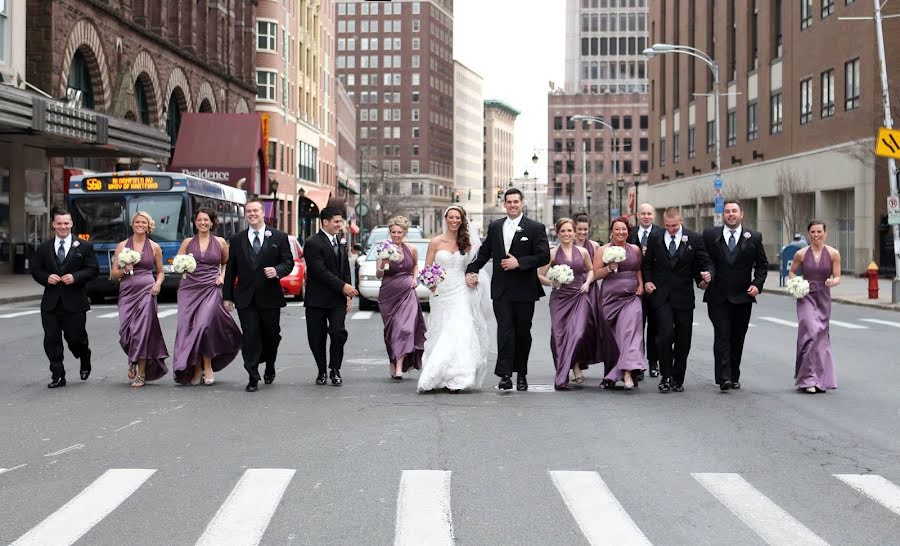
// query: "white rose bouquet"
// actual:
[[387, 250], [797, 287], [561, 274], [128, 257], [614, 254], [184, 264]]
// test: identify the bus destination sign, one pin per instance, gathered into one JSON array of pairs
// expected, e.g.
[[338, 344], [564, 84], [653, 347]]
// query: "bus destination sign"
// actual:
[[127, 183]]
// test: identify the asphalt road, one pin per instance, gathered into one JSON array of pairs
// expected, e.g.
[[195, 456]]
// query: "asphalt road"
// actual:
[[301, 464]]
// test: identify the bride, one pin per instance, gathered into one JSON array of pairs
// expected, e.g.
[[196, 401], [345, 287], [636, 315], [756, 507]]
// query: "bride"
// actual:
[[459, 343]]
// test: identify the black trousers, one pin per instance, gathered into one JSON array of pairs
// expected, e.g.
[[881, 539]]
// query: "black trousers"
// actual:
[[261, 337], [673, 340], [513, 336], [322, 323], [730, 321], [650, 337], [58, 324]]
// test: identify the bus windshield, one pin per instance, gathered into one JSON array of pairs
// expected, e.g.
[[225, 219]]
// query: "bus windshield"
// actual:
[[104, 219]]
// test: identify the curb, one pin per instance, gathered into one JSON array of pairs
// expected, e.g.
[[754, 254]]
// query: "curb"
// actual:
[[848, 301], [17, 299]]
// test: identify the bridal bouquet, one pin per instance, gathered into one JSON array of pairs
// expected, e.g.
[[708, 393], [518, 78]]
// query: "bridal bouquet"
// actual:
[[797, 287], [184, 264], [614, 254], [431, 276], [128, 257], [386, 250], [562, 274]]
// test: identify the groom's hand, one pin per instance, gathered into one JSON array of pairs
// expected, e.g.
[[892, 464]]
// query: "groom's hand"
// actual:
[[509, 263], [349, 291], [471, 280], [649, 287]]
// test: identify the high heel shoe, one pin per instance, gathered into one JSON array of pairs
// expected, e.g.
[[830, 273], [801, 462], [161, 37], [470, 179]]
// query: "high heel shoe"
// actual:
[[132, 372], [629, 383], [209, 380], [138, 382], [810, 390]]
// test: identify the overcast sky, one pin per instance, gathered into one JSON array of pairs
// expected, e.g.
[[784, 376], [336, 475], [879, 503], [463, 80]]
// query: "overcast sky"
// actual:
[[518, 47]]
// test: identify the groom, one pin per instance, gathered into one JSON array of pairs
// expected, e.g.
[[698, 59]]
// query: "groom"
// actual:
[[518, 247]]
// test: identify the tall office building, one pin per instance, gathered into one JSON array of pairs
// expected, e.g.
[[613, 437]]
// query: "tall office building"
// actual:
[[468, 147], [499, 155]]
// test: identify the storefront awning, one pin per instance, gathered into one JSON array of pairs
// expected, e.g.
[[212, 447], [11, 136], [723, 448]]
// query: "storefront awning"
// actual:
[[318, 196], [222, 148]]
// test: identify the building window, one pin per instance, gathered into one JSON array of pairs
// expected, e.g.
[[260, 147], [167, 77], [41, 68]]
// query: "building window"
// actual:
[[265, 36], [557, 123], [776, 124], [710, 136], [805, 14], [806, 101], [676, 148], [752, 123], [827, 93], [265, 85], [140, 98], [80, 81], [662, 152], [851, 85], [4, 31], [731, 128], [645, 122], [173, 118], [827, 8], [777, 25], [644, 144], [692, 142]]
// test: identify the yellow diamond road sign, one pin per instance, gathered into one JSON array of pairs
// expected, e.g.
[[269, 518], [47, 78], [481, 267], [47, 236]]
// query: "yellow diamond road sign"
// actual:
[[888, 143]]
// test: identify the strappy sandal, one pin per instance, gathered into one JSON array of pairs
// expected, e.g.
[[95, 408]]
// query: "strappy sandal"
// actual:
[[132, 372], [138, 382]]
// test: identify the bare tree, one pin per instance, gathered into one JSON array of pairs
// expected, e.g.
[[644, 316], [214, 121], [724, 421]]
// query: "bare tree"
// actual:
[[793, 188], [700, 200], [736, 192]]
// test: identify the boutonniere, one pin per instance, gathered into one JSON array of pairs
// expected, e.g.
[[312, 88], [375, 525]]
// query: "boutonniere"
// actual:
[[343, 241], [75, 244], [268, 233], [523, 239], [684, 238], [746, 235], [519, 229]]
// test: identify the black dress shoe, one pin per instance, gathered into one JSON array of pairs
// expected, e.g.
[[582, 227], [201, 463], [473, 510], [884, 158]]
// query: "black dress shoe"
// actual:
[[269, 378], [56, 383], [251, 386], [654, 369], [521, 383], [85, 366], [665, 385], [336, 378], [505, 383], [725, 385], [677, 387], [321, 379], [736, 385]]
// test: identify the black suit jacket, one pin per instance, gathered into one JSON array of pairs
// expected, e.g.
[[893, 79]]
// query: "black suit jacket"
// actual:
[[673, 277], [529, 246], [81, 262], [633, 235], [734, 272], [326, 274], [253, 287]]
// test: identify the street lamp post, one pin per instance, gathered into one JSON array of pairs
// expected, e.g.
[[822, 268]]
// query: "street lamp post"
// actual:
[[652, 51], [637, 180], [609, 187], [588, 191], [620, 186], [569, 168], [273, 187], [615, 144]]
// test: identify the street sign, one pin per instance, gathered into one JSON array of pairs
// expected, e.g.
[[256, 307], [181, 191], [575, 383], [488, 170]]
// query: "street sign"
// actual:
[[893, 210], [720, 203], [717, 183], [888, 143], [614, 213], [362, 210]]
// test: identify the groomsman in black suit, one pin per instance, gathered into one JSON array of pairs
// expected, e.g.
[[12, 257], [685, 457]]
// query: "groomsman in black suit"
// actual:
[[739, 271], [329, 294], [64, 265], [640, 235], [257, 258], [675, 258]]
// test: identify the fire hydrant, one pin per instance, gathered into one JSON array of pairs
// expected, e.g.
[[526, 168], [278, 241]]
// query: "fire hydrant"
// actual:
[[872, 273]]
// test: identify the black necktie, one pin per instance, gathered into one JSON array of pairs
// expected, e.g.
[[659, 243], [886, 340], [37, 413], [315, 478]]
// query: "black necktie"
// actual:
[[731, 242], [644, 237], [334, 246], [256, 242], [672, 248], [61, 253]]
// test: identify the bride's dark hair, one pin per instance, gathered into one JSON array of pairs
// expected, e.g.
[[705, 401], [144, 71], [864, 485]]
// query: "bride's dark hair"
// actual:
[[462, 234]]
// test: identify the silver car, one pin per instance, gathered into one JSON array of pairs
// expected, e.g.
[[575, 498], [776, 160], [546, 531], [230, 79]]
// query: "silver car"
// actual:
[[369, 284]]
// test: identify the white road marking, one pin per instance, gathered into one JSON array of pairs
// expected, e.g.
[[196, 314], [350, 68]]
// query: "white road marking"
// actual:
[[849, 325], [423, 509], [21, 313], [783, 322], [764, 517], [882, 322], [65, 450], [108, 315], [596, 510], [5, 470], [362, 315], [875, 487], [79, 515], [126, 426], [166, 313], [244, 516], [751, 325]]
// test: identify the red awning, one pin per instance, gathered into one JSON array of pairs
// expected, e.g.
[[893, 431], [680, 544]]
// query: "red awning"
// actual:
[[222, 148], [319, 197], [354, 229]]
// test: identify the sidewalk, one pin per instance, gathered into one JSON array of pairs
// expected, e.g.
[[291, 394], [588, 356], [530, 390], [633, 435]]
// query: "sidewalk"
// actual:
[[852, 290], [15, 288]]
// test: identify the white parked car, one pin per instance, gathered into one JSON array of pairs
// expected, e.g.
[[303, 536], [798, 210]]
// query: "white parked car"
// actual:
[[369, 284]]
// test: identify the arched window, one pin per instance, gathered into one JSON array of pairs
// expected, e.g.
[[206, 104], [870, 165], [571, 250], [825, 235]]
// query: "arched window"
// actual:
[[140, 98], [173, 118], [205, 107], [80, 81]]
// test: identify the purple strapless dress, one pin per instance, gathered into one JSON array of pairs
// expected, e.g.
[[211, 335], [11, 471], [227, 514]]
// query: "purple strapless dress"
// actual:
[[814, 366], [404, 324], [571, 319], [205, 328], [139, 333], [624, 312]]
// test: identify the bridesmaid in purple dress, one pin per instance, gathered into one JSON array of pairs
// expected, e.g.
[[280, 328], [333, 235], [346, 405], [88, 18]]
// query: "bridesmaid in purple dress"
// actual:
[[620, 295], [404, 325], [206, 332], [139, 333], [571, 317], [583, 240], [814, 367]]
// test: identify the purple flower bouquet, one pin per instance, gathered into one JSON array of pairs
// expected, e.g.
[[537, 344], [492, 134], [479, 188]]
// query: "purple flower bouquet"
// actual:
[[431, 276]]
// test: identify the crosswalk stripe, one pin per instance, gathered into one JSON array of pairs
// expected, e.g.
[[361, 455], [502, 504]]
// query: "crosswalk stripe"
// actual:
[[108, 315], [875, 487], [780, 321], [79, 515], [21, 313], [362, 315], [244, 516], [598, 513], [423, 509], [849, 325], [166, 313], [882, 322], [764, 517]]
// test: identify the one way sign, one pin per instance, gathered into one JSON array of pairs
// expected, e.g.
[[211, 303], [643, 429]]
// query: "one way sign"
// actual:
[[888, 143]]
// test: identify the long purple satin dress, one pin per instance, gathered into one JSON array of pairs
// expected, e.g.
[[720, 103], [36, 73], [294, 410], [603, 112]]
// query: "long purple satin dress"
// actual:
[[815, 365], [571, 319], [404, 325], [139, 333], [205, 328], [624, 312]]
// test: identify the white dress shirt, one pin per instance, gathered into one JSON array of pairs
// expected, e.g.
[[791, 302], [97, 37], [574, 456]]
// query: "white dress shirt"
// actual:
[[726, 233], [67, 242], [510, 225], [676, 237], [251, 234], [641, 231]]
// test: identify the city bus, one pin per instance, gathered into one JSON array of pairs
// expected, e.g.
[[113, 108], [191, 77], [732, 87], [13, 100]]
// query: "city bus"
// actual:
[[102, 205]]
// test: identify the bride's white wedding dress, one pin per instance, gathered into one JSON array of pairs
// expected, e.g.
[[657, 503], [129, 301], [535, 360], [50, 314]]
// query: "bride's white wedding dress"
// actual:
[[460, 344]]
